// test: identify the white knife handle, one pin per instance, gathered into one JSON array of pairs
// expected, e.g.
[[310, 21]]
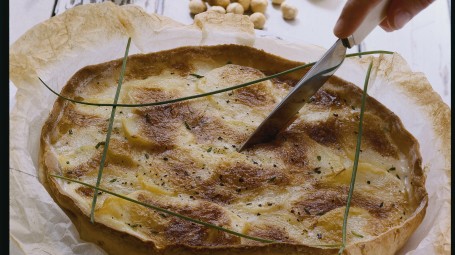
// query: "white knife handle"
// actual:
[[373, 18]]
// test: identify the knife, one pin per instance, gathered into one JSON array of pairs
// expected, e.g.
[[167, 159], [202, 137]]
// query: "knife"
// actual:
[[284, 112]]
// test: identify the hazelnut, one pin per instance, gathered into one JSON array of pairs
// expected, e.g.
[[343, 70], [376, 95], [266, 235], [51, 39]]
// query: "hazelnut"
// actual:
[[258, 20], [223, 3], [197, 6], [235, 8], [259, 5], [245, 4], [289, 11], [218, 9], [278, 2]]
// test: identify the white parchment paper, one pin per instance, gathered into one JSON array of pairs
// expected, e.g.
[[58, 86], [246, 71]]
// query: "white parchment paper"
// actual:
[[89, 34]]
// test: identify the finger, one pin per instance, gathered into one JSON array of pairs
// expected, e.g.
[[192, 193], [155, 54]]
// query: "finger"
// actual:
[[352, 15], [400, 12]]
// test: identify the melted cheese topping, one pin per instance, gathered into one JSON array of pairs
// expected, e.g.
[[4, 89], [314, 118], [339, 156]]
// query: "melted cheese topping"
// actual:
[[183, 156]]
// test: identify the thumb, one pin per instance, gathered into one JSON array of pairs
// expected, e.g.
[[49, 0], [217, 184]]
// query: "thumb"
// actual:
[[400, 12]]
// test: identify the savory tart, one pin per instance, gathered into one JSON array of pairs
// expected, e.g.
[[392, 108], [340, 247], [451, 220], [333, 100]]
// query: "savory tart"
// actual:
[[183, 157]]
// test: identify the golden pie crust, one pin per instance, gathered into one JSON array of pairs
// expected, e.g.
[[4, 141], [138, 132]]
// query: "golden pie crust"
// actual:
[[183, 157]]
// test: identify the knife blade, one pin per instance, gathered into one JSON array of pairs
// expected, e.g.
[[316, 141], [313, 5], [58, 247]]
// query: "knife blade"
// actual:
[[314, 79]]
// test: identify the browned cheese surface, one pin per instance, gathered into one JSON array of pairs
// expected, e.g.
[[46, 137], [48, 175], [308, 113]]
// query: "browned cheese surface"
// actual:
[[183, 156]]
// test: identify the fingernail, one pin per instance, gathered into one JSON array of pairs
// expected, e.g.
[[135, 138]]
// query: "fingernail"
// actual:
[[401, 18], [388, 27]]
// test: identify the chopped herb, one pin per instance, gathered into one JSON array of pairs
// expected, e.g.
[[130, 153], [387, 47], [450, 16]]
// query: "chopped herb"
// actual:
[[368, 182], [392, 168], [70, 131], [258, 214], [307, 211], [165, 159], [99, 144], [317, 170], [319, 235], [67, 162], [197, 75], [209, 149], [241, 179], [187, 126], [113, 180], [269, 203], [272, 179], [229, 62], [382, 204], [146, 156], [319, 158], [248, 203], [260, 205], [398, 176], [356, 234], [133, 225], [335, 114]]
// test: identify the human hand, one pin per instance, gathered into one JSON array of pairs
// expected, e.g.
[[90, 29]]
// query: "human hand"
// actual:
[[399, 12]]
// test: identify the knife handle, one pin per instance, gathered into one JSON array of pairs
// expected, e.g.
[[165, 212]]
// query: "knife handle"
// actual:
[[373, 18]]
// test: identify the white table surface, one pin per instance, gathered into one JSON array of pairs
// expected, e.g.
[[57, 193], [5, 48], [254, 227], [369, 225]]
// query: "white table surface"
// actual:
[[424, 42]]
